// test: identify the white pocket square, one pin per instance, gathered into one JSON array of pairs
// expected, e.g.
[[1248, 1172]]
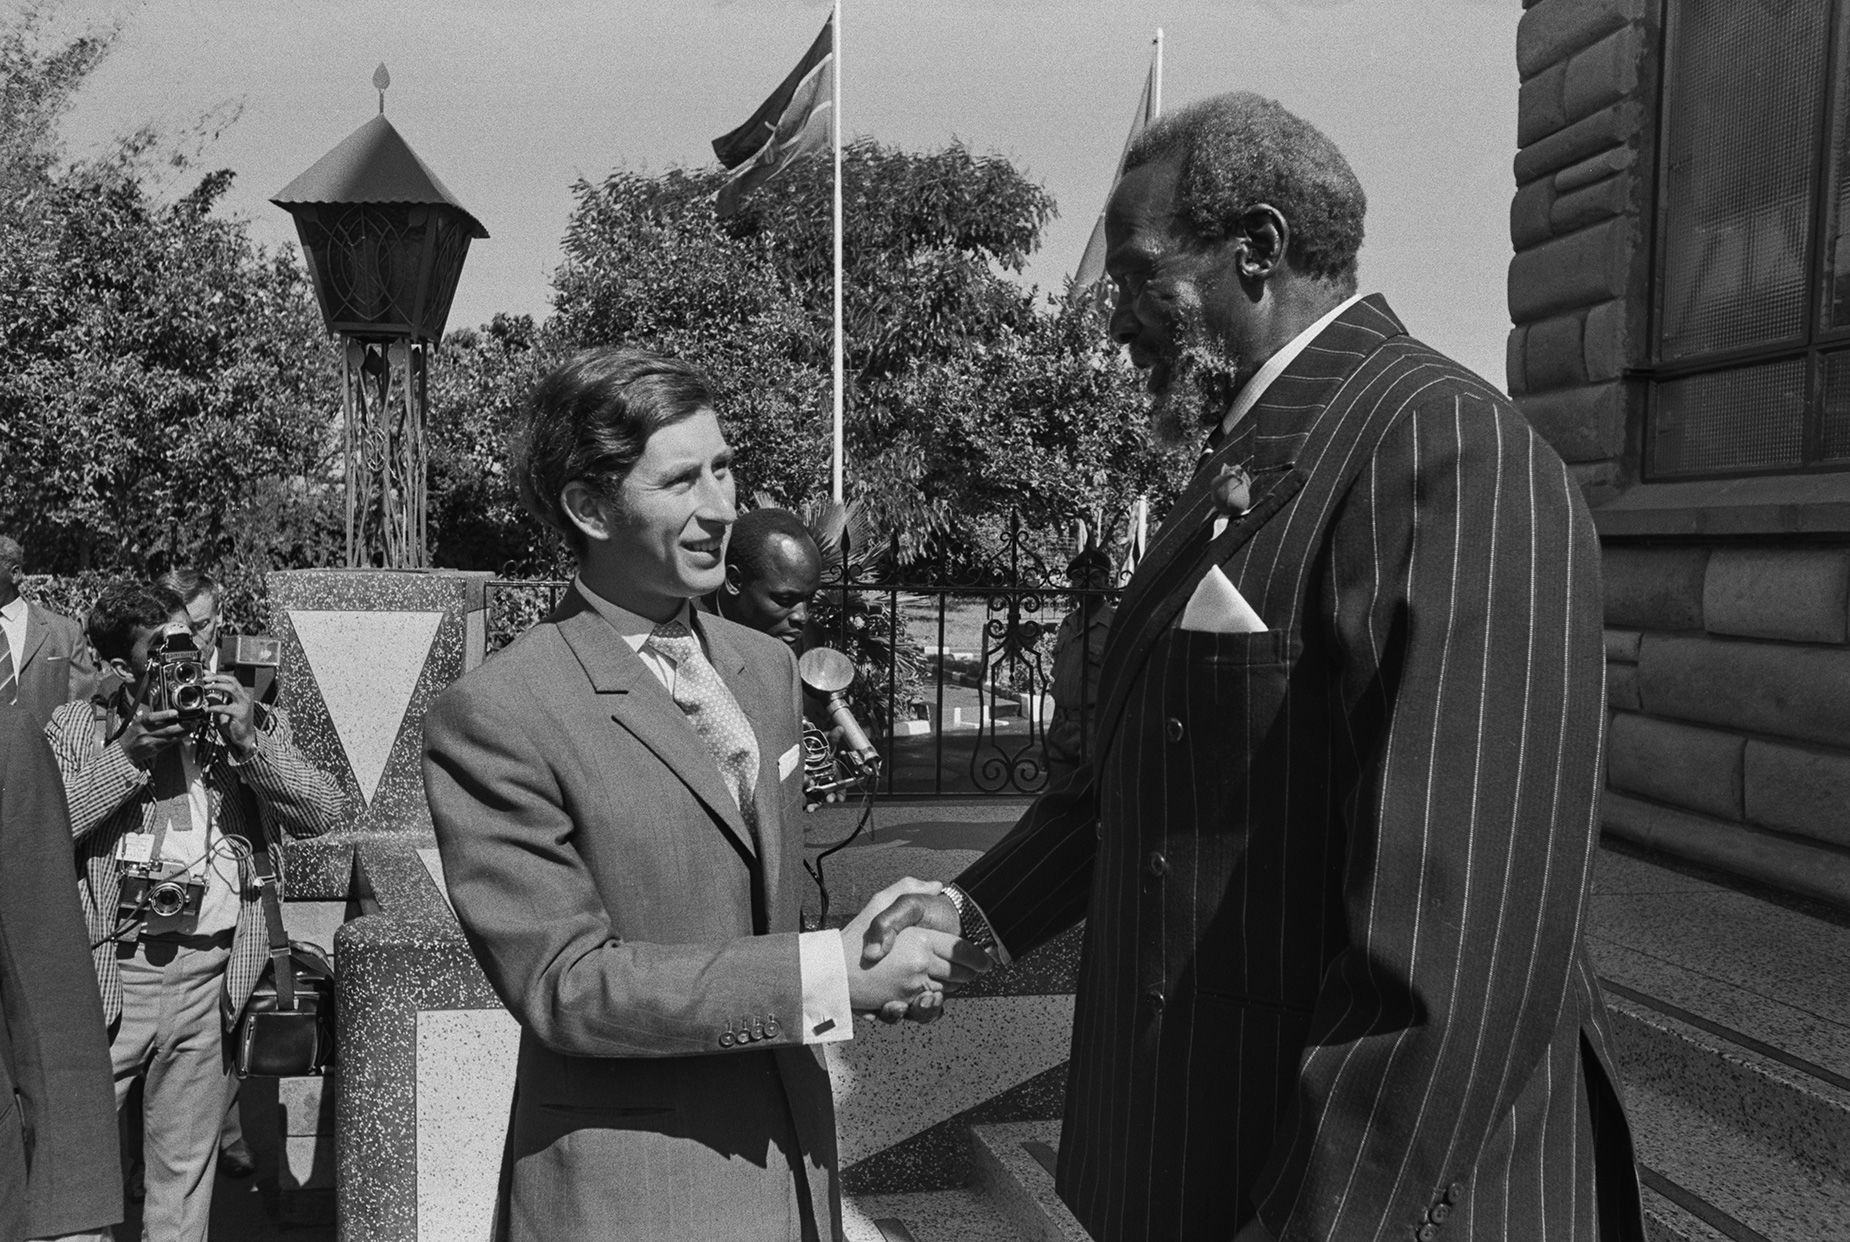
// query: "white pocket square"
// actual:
[[1217, 607]]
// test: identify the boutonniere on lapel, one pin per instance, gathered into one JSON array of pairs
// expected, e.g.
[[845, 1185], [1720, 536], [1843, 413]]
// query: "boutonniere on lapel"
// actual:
[[1230, 495], [1232, 491]]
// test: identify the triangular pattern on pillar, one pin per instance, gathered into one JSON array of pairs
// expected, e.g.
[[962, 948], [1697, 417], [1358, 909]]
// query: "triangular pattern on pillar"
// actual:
[[366, 665]]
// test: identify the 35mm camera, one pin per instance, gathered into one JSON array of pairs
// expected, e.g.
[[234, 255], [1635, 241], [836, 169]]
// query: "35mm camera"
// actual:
[[165, 897]]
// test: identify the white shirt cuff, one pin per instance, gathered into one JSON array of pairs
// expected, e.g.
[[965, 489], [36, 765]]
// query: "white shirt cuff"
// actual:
[[827, 1016]]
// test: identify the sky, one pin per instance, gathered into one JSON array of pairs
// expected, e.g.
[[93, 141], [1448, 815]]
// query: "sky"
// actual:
[[510, 104]]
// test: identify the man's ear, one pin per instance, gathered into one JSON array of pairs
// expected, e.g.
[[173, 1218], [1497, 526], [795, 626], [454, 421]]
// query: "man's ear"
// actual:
[[585, 509], [735, 581], [1263, 238]]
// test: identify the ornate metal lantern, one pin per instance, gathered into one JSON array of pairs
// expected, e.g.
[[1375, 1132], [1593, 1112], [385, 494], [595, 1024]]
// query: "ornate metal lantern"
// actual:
[[385, 243]]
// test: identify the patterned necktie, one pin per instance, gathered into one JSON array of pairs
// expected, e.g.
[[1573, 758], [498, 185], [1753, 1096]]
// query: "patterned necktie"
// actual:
[[714, 713], [9, 680]]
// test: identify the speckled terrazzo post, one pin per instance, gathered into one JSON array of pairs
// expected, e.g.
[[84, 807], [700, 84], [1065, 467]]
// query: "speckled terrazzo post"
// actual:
[[364, 653], [408, 990]]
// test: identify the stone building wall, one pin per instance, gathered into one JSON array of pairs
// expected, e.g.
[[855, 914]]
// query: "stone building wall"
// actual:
[[1727, 602]]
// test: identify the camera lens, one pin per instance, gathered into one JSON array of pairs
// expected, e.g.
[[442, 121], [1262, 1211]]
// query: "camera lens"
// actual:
[[187, 674], [166, 899], [188, 698]]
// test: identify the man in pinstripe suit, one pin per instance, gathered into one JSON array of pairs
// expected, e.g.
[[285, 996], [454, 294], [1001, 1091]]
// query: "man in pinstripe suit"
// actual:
[[1334, 845]]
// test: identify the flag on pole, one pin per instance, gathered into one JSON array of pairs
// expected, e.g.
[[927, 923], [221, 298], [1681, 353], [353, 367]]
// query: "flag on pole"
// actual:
[[791, 123], [1149, 104]]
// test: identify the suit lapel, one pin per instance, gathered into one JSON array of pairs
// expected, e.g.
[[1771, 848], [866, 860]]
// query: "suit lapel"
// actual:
[[639, 703], [1294, 414], [37, 628], [1137, 627], [756, 698]]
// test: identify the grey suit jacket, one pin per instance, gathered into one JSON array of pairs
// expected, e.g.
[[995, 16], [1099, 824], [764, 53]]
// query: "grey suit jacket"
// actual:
[[1334, 872], [57, 1108], [642, 935], [54, 669]]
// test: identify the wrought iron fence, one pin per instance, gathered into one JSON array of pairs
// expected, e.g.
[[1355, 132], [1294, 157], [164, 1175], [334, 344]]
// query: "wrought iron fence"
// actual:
[[956, 677]]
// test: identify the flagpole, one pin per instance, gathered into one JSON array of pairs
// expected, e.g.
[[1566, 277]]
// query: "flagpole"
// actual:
[[1156, 94], [835, 120]]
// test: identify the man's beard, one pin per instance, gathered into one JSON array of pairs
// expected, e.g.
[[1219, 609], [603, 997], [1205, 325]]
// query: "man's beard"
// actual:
[[1193, 398]]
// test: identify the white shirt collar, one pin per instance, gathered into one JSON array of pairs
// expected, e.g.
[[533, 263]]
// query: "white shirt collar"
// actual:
[[633, 626], [1249, 395], [14, 612]]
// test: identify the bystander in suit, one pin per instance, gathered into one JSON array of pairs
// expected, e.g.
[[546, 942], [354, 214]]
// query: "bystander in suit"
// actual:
[[1335, 843], [1078, 655], [44, 661], [57, 1120]]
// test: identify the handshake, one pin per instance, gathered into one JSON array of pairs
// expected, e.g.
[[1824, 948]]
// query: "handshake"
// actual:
[[903, 951]]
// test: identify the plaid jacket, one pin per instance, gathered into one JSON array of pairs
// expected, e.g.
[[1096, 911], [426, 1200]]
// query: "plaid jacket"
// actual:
[[109, 796]]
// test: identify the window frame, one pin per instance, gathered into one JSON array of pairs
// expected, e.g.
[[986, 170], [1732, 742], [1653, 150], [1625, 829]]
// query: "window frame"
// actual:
[[1814, 341]]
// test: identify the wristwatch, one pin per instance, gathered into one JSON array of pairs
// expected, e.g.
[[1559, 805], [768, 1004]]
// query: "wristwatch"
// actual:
[[971, 924]]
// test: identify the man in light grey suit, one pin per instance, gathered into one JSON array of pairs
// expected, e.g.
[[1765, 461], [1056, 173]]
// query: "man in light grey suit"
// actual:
[[617, 799]]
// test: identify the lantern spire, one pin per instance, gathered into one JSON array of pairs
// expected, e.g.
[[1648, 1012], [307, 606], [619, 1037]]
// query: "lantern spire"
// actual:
[[381, 80]]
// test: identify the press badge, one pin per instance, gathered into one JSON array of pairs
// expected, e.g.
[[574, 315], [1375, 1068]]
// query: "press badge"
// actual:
[[135, 847], [787, 763]]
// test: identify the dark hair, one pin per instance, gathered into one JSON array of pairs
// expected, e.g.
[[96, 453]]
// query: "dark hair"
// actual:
[[190, 584], [11, 553], [1240, 149], [124, 610], [588, 420], [756, 530]]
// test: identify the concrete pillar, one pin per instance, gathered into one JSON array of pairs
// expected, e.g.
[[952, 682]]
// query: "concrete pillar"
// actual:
[[364, 653]]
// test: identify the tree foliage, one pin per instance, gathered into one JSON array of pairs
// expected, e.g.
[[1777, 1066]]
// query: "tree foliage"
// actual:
[[167, 394], [965, 399]]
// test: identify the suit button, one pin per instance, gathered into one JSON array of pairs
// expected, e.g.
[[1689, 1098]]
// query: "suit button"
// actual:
[[1174, 728], [1158, 865], [1439, 1212], [757, 1030], [1427, 1233], [726, 1040], [1153, 999], [1454, 1192], [771, 1028]]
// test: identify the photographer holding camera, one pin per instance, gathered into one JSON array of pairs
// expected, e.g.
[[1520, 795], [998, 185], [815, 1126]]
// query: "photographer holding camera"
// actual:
[[173, 781]]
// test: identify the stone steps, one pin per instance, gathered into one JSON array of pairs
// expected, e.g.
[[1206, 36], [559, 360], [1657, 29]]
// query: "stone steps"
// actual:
[[927, 1216], [1014, 1167], [1010, 1197], [1732, 1034], [1736, 1139]]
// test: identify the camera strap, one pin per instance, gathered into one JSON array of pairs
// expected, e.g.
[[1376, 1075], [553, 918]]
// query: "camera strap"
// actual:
[[273, 918]]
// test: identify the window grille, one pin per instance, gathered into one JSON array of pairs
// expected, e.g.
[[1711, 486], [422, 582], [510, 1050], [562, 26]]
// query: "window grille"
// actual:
[[1753, 262]]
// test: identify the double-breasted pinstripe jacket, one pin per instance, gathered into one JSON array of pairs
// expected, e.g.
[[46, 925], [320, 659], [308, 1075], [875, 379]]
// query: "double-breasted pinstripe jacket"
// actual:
[[1335, 872], [277, 790]]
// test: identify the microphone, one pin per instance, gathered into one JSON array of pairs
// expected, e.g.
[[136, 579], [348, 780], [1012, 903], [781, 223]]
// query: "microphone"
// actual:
[[828, 673]]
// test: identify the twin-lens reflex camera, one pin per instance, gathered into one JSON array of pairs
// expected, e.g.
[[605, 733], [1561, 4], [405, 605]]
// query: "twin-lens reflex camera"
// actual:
[[165, 896]]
